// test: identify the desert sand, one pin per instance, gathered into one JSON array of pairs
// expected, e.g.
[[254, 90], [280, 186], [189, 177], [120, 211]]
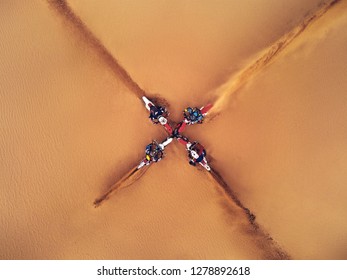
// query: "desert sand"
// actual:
[[72, 124]]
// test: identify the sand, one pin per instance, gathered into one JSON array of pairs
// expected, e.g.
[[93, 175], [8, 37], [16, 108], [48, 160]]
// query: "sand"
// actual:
[[72, 124]]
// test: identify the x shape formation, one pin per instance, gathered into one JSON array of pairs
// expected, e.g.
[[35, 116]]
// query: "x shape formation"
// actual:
[[158, 115], [154, 151]]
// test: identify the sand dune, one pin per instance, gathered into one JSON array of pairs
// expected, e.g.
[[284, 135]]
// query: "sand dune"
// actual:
[[63, 144], [73, 127]]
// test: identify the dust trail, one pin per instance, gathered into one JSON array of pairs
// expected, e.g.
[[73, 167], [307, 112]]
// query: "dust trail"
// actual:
[[265, 241], [78, 27], [131, 177], [230, 87]]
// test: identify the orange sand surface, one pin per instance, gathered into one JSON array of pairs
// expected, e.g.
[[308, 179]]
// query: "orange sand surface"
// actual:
[[72, 125]]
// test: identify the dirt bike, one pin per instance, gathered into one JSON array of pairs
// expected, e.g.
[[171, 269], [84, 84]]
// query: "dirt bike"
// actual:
[[180, 127], [162, 114]]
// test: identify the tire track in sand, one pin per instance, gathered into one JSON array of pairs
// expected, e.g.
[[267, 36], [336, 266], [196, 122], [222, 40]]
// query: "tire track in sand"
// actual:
[[264, 240], [129, 178], [266, 57], [78, 27]]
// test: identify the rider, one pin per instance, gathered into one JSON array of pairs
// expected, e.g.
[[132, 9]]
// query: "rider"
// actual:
[[193, 115], [158, 114], [196, 152], [155, 151]]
